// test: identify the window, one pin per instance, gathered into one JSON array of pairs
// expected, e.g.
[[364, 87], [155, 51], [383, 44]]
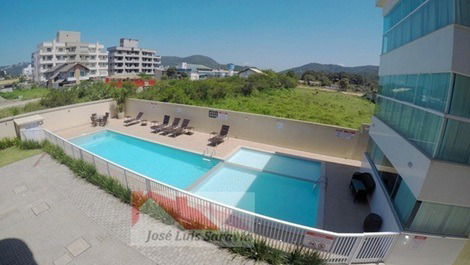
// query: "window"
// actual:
[[400, 194], [460, 104], [442, 219], [418, 126], [455, 145], [430, 17]]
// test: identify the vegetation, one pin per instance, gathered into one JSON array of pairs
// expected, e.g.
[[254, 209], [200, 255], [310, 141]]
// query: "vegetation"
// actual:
[[345, 81], [89, 173], [13, 149], [13, 154], [270, 95], [12, 111], [24, 94]]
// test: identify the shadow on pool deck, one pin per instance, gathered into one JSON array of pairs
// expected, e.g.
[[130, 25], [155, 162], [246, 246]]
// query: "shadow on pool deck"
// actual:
[[342, 214]]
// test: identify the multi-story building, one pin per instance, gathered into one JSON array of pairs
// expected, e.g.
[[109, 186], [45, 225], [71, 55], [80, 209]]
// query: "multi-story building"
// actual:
[[67, 48], [128, 58], [419, 149]]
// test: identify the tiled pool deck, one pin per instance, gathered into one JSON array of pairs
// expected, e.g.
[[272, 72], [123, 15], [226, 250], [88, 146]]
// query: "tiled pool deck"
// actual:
[[341, 213]]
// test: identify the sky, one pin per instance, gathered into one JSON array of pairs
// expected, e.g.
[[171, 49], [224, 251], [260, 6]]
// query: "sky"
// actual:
[[274, 34]]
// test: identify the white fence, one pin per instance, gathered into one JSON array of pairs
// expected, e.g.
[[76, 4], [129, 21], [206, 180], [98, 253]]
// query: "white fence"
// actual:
[[333, 247]]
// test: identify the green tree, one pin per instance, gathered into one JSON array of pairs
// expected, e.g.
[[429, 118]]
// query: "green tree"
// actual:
[[343, 84], [171, 72]]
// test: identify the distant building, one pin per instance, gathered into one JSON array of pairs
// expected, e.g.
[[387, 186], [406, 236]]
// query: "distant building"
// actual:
[[249, 71], [67, 48], [200, 72], [128, 58], [28, 72], [66, 74]]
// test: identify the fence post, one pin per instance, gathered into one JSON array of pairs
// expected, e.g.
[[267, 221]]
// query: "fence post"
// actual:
[[355, 249], [81, 154], [149, 189], [94, 162], [107, 168], [125, 178]]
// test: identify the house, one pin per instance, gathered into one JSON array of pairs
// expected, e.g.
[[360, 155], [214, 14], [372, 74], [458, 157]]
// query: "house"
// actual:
[[249, 71], [67, 47], [65, 74]]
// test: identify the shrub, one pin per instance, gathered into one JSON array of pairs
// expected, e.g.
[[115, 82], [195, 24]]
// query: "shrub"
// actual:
[[8, 142], [28, 144]]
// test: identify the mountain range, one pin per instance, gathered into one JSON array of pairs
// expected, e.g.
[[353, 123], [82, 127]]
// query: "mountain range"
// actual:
[[196, 59], [14, 69], [365, 70]]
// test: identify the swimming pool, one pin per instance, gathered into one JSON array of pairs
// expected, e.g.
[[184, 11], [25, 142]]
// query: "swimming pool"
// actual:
[[274, 185], [169, 165]]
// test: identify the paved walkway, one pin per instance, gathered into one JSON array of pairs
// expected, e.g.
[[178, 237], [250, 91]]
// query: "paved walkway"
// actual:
[[49, 216]]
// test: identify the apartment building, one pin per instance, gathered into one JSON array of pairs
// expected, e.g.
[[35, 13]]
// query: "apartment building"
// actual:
[[419, 149], [68, 48], [128, 58]]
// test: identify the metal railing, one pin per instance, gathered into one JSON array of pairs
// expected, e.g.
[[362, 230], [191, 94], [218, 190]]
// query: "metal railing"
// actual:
[[333, 247]]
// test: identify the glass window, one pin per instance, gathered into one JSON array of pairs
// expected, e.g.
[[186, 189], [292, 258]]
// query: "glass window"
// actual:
[[455, 145], [418, 126], [430, 17], [462, 9], [460, 104], [442, 219], [404, 201]]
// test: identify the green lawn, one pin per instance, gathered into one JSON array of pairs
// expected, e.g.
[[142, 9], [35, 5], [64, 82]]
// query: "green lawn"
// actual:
[[35, 92], [303, 104], [13, 154], [12, 111]]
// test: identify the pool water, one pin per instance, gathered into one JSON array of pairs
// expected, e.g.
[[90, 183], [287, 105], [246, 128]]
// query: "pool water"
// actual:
[[284, 198], [169, 165], [274, 185]]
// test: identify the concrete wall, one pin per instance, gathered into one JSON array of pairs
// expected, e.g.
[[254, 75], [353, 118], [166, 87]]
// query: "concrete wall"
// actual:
[[429, 250], [379, 203], [286, 133], [56, 119]]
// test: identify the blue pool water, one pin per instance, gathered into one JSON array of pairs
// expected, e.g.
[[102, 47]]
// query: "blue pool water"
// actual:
[[274, 185], [277, 186], [172, 166]]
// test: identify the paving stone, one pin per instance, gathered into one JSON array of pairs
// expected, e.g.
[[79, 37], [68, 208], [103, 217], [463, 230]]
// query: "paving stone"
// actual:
[[62, 260], [78, 247], [40, 208], [20, 189]]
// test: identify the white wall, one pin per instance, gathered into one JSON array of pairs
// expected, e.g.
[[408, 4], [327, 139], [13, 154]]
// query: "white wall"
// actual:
[[427, 251], [432, 53], [379, 202], [300, 135], [402, 155]]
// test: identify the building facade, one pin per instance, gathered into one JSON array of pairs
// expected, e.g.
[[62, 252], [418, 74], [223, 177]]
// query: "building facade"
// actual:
[[419, 149], [68, 48], [128, 58]]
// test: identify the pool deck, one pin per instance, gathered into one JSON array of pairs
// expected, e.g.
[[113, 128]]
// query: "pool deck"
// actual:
[[341, 214]]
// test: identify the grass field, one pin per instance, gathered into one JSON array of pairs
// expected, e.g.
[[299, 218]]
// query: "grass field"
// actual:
[[303, 103], [36, 92], [8, 81], [12, 111], [13, 154]]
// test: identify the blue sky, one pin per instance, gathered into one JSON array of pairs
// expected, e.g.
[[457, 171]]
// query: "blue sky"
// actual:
[[275, 34]]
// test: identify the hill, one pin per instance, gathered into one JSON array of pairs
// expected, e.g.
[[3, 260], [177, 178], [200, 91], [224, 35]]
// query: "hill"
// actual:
[[196, 59], [14, 69], [366, 70]]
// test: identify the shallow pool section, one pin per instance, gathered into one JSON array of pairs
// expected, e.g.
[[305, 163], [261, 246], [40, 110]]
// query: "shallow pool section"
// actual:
[[277, 163], [169, 165], [274, 185]]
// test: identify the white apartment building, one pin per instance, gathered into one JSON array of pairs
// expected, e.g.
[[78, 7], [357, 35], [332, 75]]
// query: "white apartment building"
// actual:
[[128, 58], [67, 48]]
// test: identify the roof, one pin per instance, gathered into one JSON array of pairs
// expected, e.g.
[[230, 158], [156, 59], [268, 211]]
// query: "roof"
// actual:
[[254, 69], [65, 67], [196, 67]]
